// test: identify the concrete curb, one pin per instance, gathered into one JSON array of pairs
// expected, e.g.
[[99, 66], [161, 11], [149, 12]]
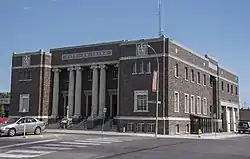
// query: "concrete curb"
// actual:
[[108, 133]]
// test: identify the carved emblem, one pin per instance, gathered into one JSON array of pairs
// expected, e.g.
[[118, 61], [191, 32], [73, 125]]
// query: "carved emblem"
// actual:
[[26, 60], [141, 49]]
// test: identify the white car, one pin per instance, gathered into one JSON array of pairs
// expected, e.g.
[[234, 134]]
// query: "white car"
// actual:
[[14, 126]]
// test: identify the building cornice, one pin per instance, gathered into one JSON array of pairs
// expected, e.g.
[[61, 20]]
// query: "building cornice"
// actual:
[[86, 45], [39, 52]]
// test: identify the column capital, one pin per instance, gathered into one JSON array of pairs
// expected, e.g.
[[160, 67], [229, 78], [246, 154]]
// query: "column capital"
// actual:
[[103, 66], [116, 65], [71, 69], [94, 67], [78, 68], [56, 70]]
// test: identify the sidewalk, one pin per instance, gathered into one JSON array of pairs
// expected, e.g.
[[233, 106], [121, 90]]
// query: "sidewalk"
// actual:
[[187, 136]]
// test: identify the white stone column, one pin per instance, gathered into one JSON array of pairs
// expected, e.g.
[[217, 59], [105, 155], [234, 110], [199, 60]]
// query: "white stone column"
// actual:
[[78, 92], [71, 90], [94, 92], [55, 100], [102, 90]]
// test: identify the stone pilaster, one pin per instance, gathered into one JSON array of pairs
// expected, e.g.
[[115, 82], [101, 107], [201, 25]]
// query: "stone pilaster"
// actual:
[[94, 92], [102, 90], [71, 90], [78, 92], [55, 100]]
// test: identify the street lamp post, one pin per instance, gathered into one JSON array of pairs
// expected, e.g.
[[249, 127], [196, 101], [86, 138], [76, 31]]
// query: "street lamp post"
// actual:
[[157, 89]]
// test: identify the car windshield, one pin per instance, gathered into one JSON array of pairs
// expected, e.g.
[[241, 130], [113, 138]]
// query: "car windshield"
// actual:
[[11, 120]]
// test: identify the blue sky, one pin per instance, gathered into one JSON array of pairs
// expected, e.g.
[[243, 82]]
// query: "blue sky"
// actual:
[[217, 27]]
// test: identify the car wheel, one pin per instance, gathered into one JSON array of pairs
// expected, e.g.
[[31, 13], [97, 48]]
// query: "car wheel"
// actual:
[[37, 131], [12, 132]]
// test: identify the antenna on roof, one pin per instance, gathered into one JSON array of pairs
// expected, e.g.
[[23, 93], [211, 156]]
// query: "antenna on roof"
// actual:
[[160, 18]]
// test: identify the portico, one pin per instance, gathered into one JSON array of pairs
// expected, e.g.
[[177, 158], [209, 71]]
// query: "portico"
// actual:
[[230, 116], [80, 96]]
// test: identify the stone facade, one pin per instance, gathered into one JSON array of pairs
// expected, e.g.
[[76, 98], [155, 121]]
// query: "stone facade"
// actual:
[[118, 76]]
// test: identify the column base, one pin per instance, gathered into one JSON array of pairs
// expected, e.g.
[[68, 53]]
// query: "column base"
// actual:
[[76, 119]]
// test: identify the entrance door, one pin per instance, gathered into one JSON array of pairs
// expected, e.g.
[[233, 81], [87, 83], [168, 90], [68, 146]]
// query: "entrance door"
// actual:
[[89, 104], [114, 105]]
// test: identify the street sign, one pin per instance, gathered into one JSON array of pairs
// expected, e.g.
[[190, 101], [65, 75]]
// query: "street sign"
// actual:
[[104, 110]]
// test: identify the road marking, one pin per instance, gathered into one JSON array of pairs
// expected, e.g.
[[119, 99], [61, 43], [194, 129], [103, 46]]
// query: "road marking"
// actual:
[[104, 140], [27, 143], [5, 155], [51, 148], [60, 145], [94, 141], [28, 151], [78, 143]]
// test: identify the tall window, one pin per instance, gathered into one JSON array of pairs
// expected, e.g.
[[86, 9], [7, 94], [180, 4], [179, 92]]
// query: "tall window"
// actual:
[[198, 77], [176, 101], [222, 85], [205, 106], [134, 71], [24, 103], [177, 128], [236, 90], [232, 89], [176, 70], [228, 88], [204, 79], [141, 67], [149, 67], [186, 73], [186, 103], [192, 101], [141, 101], [198, 105], [192, 75]]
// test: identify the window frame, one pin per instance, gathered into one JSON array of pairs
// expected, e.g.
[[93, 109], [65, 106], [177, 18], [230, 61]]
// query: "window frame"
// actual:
[[176, 102], [204, 79], [186, 102], [192, 103], [21, 107], [198, 104], [204, 104], [192, 76], [141, 68], [134, 68], [148, 67], [136, 94], [198, 77], [186, 73], [176, 70]]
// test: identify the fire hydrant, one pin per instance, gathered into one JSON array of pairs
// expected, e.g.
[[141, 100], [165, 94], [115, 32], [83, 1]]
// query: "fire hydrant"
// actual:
[[199, 133]]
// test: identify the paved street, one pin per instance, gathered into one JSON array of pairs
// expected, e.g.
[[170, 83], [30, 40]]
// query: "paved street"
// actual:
[[123, 147]]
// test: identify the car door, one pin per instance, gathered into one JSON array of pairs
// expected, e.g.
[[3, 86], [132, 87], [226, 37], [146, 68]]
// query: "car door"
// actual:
[[31, 125], [20, 126]]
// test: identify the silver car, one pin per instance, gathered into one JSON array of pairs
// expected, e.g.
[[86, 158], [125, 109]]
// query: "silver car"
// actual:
[[14, 126]]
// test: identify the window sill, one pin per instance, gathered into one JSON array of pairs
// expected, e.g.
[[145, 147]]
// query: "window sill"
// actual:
[[193, 81], [148, 72], [134, 73], [176, 111], [176, 77], [139, 111], [141, 73], [186, 80], [26, 80], [186, 112]]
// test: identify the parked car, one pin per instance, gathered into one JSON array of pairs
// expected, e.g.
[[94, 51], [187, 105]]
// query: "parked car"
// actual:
[[14, 126], [3, 120], [243, 127]]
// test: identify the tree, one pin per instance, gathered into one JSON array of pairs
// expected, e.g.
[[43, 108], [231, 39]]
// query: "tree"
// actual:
[[1, 111], [5, 94]]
